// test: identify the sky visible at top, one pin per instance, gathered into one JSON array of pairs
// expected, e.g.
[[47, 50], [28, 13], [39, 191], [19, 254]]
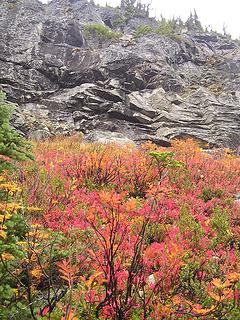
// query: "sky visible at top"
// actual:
[[214, 13]]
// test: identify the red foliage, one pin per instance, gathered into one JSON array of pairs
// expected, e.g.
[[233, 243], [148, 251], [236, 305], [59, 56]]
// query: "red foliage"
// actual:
[[145, 234]]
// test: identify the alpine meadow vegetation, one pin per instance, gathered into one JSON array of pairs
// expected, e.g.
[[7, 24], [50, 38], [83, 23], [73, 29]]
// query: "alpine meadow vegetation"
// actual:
[[93, 231], [101, 32]]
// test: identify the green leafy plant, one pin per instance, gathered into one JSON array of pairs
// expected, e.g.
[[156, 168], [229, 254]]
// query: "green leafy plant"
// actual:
[[101, 32], [166, 159], [12, 145], [142, 31], [165, 28], [13, 229], [221, 225], [209, 194], [189, 226]]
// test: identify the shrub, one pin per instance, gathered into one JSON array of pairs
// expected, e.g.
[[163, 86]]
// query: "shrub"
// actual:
[[123, 236], [27, 256], [165, 28], [101, 32], [142, 31], [13, 229], [209, 194], [12, 145]]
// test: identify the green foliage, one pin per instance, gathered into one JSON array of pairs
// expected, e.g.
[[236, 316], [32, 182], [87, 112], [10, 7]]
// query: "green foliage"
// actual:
[[130, 13], [221, 225], [189, 225], [189, 281], [155, 232], [166, 28], [165, 159], [101, 32], [134, 8], [209, 194], [170, 28], [19, 245], [14, 229], [120, 21], [234, 314], [142, 31], [12, 145]]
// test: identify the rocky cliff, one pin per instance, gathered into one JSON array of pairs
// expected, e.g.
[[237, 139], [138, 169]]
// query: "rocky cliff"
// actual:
[[152, 87]]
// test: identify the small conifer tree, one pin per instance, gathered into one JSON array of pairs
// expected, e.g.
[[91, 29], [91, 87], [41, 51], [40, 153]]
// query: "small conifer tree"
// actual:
[[13, 147]]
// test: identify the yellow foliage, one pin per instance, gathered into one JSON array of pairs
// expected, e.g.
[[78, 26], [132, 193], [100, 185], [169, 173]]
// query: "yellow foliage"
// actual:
[[93, 279], [233, 277], [22, 243], [10, 187], [4, 217], [36, 225], [38, 234], [33, 210], [197, 309], [36, 273], [218, 284], [3, 234], [9, 207]]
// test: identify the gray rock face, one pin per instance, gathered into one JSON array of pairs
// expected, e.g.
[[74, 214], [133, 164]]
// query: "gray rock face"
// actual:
[[108, 137], [152, 88]]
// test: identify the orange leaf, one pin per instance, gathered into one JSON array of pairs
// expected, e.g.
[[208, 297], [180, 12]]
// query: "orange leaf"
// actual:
[[93, 278], [218, 283], [233, 277]]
